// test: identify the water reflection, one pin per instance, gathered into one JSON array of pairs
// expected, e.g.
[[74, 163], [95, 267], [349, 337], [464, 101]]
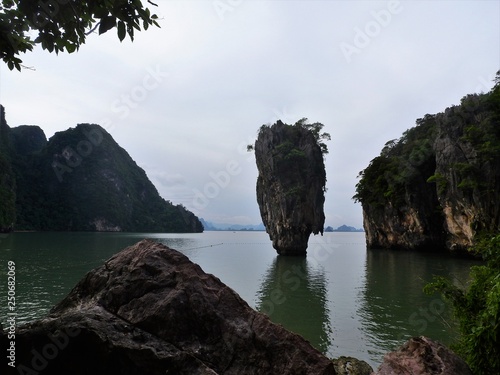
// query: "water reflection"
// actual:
[[294, 294], [48, 265], [342, 298], [394, 307]]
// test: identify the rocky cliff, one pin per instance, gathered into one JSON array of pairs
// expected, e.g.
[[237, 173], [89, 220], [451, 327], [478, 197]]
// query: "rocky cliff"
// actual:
[[82, 180], [291, 184], [7, 179], [438, 186], [149, 310]]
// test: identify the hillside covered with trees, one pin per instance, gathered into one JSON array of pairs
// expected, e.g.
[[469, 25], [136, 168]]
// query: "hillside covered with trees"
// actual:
[[438, 186], [79, 180]]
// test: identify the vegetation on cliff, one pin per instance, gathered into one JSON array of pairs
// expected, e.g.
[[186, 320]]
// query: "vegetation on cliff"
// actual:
[[82, 180], [402, 162], [439, 184], [291, 183]]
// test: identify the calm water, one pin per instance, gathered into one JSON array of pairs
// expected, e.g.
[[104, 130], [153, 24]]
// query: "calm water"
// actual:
[[344, 299]]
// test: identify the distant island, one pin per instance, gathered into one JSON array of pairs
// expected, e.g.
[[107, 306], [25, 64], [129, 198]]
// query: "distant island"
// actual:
[[343, 228], [209, 226]]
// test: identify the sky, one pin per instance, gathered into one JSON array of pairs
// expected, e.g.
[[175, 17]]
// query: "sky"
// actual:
[[185, 99]]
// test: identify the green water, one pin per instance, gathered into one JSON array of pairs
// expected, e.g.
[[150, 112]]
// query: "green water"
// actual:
[[342, 298]]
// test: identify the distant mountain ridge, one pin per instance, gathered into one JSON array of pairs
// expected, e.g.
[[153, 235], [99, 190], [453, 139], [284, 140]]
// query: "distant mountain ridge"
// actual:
[[79, 180], [209, 226], [343, 228]]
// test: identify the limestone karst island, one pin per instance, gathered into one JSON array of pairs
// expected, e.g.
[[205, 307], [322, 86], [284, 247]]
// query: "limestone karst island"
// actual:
[[58, 185], [291, 183], [139, 236], [151, 309]]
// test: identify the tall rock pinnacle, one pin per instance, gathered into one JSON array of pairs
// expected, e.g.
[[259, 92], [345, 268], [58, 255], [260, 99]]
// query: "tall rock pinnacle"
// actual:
[[291, 183]]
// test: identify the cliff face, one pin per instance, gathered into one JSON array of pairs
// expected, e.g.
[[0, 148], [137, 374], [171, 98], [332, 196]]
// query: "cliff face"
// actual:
[[468, 168], [399, 206], [290, 185], [109, 192], [438, 186], [7, 179], [82, 180]]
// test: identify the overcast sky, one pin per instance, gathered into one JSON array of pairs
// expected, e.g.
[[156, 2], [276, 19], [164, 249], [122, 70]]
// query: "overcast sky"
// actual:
[[186, 99]]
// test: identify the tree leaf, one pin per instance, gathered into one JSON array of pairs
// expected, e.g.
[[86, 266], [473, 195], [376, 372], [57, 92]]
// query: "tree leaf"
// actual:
[[69, 23], [106, 24], [122, 31], [71, 48]]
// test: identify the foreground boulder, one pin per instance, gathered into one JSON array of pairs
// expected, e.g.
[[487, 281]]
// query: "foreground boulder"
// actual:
[[149, 310], [422, 356], [351, 366]]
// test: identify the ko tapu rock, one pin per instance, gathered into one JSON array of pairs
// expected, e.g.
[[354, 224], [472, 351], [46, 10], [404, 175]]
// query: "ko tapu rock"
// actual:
[[291, 183]]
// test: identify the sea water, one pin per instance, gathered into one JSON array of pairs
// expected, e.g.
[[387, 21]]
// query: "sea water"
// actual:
[[343, 298]]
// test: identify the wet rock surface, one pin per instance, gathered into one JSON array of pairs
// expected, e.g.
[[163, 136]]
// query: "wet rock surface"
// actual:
[[422, 356], [149, 310], [351, 366]]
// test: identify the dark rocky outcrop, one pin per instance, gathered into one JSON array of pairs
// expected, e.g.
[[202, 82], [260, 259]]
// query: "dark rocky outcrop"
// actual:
[[290, 185], [149, 310], [7, 179], [409, 217], [468, 168], [437, 186], [351, 366], [79, 180], [422, 356]]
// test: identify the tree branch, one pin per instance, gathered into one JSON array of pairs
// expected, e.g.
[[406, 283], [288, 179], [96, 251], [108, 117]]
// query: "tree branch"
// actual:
[[93, 29]]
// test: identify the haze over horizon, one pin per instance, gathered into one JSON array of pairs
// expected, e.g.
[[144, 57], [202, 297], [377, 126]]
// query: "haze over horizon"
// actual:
[[185, 100]]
